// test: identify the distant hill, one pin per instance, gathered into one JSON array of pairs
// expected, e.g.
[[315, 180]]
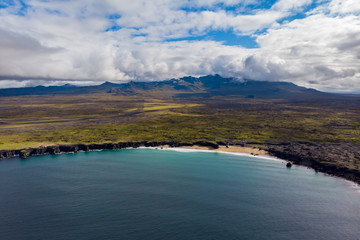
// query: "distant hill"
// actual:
[[212, 85]]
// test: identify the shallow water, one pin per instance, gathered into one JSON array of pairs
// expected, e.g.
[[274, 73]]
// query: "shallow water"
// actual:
[[153, 194]]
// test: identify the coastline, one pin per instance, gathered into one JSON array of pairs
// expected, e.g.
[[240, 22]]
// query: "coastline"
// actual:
[[232, 148], [319, 157], [222, 148], [238, 151]]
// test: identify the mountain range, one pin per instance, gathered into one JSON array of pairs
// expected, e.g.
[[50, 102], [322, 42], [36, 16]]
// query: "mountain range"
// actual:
[[206, 86]]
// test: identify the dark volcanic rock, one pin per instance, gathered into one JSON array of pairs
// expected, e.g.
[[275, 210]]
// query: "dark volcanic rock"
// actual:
[[154, 144], [25, 153], [186, 144], [207, 144], [53, 150], [110, 146], [237, 143], [38, 151], [174, 144], [83, 147], [7, 154], [69, 148]]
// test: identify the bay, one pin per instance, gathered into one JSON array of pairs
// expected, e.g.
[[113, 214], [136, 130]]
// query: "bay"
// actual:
[[154, 194]]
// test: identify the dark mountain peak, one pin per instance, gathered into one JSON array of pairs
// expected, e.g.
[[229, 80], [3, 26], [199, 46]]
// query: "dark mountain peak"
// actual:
[[214, 81], [188, 79], [108, 84]]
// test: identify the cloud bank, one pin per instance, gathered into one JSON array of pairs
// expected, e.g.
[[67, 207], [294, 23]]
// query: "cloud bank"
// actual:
[[311, 43]]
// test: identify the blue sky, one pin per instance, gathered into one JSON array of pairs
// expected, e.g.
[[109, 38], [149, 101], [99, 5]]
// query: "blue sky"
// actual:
[[313, 43]]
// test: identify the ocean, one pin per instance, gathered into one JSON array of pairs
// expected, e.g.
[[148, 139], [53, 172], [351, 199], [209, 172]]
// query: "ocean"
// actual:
[[172, 194]]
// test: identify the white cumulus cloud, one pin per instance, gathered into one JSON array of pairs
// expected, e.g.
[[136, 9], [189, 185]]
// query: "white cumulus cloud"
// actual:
[[312, 43]]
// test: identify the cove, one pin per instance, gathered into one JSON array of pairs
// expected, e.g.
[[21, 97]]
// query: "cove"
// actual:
[[154, 194]]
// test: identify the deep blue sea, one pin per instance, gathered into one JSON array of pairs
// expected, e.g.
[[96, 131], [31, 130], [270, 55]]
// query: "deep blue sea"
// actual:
[[166, 194]]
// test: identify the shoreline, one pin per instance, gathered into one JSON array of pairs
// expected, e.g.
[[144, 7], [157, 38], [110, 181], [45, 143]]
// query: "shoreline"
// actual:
[[236, 152], [231, 148], [221, 148], [323, 158]]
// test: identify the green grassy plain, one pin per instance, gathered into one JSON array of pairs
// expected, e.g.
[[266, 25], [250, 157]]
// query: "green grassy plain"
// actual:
[[31, 121]]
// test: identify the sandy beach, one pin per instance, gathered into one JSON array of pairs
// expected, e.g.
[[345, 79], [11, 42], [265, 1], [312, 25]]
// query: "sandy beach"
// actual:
[[233, 149]]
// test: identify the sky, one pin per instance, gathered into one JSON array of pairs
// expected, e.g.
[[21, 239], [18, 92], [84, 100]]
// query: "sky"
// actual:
[[312, 43]]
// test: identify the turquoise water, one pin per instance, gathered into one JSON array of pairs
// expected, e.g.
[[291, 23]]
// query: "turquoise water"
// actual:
[[153, 194]]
